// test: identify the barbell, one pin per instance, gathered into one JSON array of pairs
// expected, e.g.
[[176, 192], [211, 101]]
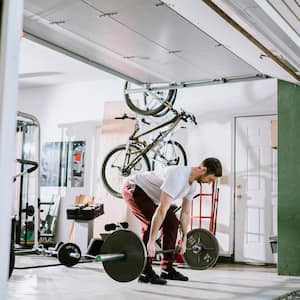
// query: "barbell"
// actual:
[[124, 254]]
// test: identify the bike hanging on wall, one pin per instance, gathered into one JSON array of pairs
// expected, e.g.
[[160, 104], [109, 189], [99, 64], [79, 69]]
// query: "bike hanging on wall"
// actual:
[[141, 155]]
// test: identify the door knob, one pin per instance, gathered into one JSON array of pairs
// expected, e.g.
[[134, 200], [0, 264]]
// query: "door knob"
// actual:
[[238, 196]]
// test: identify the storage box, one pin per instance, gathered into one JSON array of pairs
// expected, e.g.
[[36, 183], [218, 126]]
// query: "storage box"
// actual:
[[87, 213]]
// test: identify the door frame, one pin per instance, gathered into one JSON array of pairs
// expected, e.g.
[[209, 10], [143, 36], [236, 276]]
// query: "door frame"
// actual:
[[234, 171]]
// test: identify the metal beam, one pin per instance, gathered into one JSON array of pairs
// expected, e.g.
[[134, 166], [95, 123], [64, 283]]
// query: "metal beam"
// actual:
[[198, 83]]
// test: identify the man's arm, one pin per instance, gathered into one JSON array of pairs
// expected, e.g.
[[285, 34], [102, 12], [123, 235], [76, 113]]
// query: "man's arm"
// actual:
[[157, 220], [184, 222]]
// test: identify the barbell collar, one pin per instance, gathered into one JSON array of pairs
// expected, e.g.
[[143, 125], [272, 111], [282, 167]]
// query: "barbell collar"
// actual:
[[110, 257]]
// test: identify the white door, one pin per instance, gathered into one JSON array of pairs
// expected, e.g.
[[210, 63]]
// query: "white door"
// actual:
[[256, 189]]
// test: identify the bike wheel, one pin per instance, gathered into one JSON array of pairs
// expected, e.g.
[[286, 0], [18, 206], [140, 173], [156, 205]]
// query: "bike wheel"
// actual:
[[170, 153], [112, 175], [145, 104]]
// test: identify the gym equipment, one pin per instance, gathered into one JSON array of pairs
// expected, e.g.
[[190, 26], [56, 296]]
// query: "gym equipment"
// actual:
[[202, 249], [48, 219], [85, 212], [29, 210], [94, 247], [124, 254], [29, 226], [69, 254], [95, 244], [114, 226], [28, 134], [51, 251]]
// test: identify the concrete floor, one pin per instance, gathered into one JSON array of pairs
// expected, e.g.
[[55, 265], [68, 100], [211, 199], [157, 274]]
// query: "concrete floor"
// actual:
[[89, 281]]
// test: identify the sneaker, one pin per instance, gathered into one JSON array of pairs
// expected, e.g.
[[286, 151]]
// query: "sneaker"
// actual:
[[149, 276], [172, 274]]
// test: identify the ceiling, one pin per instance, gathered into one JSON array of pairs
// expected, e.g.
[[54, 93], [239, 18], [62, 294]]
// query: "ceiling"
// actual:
[[276, 23], [153, 41], [42, 66]]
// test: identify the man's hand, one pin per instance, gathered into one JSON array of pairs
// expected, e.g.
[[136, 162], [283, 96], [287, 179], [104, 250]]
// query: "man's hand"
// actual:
[[151, 249], [182, 246], [157, 219]]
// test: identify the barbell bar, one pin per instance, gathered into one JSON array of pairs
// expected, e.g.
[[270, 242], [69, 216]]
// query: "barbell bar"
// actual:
[[124, 254]]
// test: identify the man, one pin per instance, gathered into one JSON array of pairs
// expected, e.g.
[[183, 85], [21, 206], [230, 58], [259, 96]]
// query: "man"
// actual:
[[149, 196]]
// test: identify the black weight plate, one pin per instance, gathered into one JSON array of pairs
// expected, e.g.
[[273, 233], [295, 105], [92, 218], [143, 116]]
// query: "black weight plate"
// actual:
[[29, 226], [30, 210], [130, 267], [209, 253], [64, 252]]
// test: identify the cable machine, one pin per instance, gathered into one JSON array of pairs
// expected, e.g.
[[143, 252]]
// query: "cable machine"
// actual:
[[27, 205]]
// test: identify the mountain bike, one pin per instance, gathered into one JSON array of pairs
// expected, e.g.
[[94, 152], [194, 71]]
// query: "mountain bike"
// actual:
[[141, 155]]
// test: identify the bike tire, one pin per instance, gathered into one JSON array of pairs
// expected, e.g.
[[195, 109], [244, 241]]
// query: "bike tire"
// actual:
[[107, 174], [182, 157], [146, 111]]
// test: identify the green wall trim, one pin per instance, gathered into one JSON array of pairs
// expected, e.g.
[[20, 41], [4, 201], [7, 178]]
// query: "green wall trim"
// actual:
[[288, 178]]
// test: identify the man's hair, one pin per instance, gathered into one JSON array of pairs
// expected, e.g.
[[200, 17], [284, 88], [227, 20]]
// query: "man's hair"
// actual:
[[213, 166]]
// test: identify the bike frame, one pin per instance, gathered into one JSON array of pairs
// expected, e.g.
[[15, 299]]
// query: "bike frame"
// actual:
[[134, 140]]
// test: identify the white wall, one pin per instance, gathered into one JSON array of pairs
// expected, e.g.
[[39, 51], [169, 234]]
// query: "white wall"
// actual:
[[68, 103], [214, 106], [70, 112]]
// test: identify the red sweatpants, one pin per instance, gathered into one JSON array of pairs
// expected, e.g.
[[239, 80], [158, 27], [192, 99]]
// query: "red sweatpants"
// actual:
[[143, 208]]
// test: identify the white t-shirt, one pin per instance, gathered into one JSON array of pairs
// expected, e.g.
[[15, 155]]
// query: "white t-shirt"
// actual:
[[172, 180]]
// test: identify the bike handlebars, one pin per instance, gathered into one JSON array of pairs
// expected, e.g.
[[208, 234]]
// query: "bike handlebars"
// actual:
[[184, 116]]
